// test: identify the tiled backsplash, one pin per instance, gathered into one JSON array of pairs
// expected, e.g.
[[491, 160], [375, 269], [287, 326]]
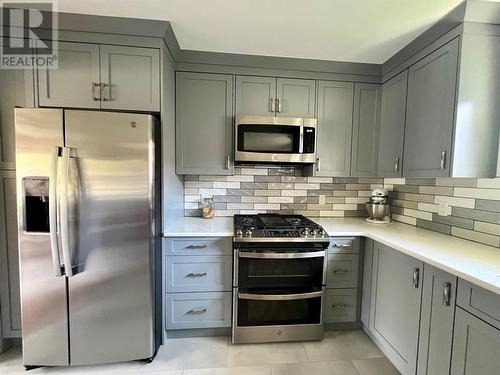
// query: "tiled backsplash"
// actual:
[[473, 212]]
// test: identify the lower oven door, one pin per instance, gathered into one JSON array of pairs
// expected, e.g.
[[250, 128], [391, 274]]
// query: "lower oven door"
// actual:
[[284, 270]]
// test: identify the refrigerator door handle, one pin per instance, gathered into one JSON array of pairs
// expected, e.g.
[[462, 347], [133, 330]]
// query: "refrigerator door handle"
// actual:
[[54, 245], [64, 212]]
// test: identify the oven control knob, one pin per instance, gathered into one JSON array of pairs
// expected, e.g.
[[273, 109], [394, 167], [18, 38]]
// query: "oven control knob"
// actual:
[[312, 232], [305, 231], [320, 232], [248, 233], [239, 232]]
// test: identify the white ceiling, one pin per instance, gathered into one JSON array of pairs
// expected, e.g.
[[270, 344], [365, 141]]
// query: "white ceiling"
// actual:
[[368, 31]]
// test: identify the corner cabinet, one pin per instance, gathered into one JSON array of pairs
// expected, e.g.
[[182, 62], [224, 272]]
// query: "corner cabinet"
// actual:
[[271, 96], [395, 306], [204, 118], [102, 77], [365, 134], [335, 102], [392, 126], [430, 113]]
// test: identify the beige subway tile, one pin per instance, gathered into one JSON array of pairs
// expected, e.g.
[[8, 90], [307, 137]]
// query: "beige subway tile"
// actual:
[[267, 193], [394, 181], [419, 197], [266, 206], [345, 193], [417, 214], [294, 193], [191, 205], [493, 194], [376, 186], [471, 235], [212, 192], [240, 178], [227, 184], [436, 190], [191, 191], [364, 193], [280, 185], [370, 180], [429, 207], [212, 178], [322, 180], [355, 200], [345, 207], [462, 182], [240, 206], [280, 199], [357, 187], [253, 199], [404, 219], [197, 184], [455, 201], [488, 183], [254, 171], [192, 198], [324, 207], [487, 228], [306, 186], [334, 199]]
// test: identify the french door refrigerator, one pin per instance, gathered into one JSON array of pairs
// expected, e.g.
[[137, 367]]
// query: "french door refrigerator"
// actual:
[[87, 227]]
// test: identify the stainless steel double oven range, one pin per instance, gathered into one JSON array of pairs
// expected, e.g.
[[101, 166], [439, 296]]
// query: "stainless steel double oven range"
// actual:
[[278, 278]]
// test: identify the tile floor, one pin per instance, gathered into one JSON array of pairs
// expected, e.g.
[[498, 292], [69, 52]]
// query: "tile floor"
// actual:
[[340, 353]]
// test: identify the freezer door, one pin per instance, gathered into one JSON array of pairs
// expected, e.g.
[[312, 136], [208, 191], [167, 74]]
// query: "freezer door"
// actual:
[[111, 307], [43, 287]]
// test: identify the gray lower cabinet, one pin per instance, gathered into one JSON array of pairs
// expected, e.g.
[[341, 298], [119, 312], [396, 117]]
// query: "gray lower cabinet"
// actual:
[[255, 96], [340, 305], [395, 306], [75, 83], [436, 324], [367, 281], [296, 97], [476, 346], [365, 134], [130, 77], [10, 299], [392, 126], [335, 103], [204, 117], [342, 271], [430, 113]]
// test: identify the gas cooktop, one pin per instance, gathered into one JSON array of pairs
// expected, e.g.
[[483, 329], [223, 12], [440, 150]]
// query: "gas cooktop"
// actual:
[[276, 227]]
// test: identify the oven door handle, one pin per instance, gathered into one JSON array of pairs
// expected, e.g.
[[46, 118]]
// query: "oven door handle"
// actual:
[[314, 254], [279, 297]]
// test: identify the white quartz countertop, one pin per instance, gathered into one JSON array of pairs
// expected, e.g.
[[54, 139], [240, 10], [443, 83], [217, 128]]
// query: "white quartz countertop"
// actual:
[[474, 262]]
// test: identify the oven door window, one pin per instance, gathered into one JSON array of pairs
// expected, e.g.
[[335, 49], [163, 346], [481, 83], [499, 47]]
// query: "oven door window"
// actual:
[[280, 272], [255, 312], [276, 139]]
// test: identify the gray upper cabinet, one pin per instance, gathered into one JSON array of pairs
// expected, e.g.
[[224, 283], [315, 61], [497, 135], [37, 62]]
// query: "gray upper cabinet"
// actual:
[[102, 76], [392, 126], [436, 323], [296, 97], [204, 117], [430, 113], [366, 124], [476, 346], [255, 96], [395, 305], [335, 100], [10, 298], [75, 83], [271, 96], [130, 77]]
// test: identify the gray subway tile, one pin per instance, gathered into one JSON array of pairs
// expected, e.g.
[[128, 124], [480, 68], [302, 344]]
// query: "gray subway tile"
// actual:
[[487, 205], [241, 192], [220, 206], [306, 199], [436, 227], [267, 179], [406, 188], [227, 198], [396, 210], [345, 180], [468, 213], [254, 185], [327, 186], [453, 221], [294, 206], [461, 182], [293, 179], [420, 181], [316, 193]]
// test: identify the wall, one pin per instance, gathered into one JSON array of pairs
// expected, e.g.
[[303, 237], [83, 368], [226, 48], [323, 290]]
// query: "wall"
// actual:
[[474, 204]]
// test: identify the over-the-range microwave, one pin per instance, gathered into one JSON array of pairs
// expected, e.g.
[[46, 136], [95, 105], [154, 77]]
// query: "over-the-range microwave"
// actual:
[[269, 139]]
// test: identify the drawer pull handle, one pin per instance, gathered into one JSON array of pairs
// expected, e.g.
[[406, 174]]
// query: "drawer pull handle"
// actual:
[[447, 294], [340, 306], [196, 274], [197, 311], [343, 245], [196, 247], [340, 271], [416, 277]]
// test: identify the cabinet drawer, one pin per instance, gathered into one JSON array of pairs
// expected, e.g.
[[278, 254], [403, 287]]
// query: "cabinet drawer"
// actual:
[[479, 301], [198, 310], [342, 271], [198, 274], [339, 245], [198, 246], [340, 305]]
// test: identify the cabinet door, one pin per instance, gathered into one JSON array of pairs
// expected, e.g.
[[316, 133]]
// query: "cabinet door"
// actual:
[[296, 97], [255, 96], [436, 323], [392, 126], [430, 113], [131, 78], [365, 133], [476, 346], [395, 306], [335, 100], [10, 299], [75, 82], [204, 117]]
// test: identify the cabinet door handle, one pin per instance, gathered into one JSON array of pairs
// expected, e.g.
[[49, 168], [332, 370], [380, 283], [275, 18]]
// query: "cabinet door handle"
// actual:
[[340, 271], [228, 162], [416, 277], [443, 160], [197, 311], [318, 164], [196, 247], [272, 105], [94, 86], [343, 245], [446, 294], [279, 105], [196, 274], [103, 96], [396, 166]]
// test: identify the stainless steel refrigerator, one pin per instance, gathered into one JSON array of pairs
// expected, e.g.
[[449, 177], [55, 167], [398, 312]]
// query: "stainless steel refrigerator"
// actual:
[[89, 261]]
